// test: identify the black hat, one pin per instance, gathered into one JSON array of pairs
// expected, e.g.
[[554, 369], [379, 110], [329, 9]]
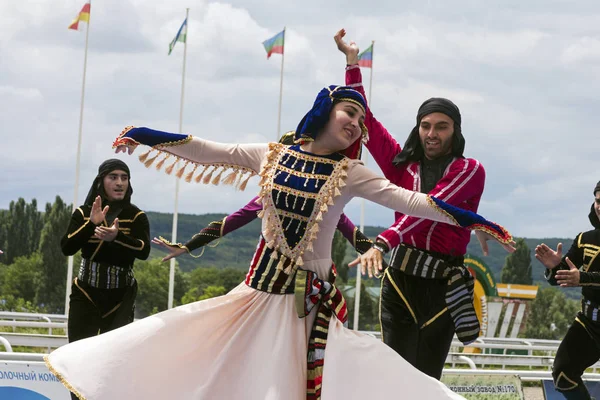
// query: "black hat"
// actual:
[[104, 169], [413, 149]]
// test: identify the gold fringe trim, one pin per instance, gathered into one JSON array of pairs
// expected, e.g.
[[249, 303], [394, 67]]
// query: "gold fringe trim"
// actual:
[[239, 180], [169, 169], [143, 157], [62, 379], [282, 261], [161, 163], [230, 179], [199, 255], [208, 176], [199, 177], [238, 171], [289, 269], [442, 211], [149, 161], [217, 179], [245, 183], [190, 175], [126, 129], [182, 170]]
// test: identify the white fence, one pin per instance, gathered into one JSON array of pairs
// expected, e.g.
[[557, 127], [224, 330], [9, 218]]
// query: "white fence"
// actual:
[[534, 365]]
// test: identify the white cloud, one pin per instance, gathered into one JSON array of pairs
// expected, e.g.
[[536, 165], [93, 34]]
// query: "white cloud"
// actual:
[[522, 73], [586, 49]]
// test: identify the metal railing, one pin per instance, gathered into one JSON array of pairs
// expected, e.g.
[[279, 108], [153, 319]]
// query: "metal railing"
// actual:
[[493, 352]]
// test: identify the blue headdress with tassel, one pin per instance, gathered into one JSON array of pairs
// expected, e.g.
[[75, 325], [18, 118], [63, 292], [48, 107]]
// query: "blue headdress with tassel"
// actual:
[[312, 123]]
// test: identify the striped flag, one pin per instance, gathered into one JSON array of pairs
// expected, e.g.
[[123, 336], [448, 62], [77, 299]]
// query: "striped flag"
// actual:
[[365, 59], [275, 44], [84, 15], [180, 37]]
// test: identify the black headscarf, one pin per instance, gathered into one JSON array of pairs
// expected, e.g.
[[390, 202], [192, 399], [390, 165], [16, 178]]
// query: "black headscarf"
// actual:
[[413, 149], [593, 216], [97, 188]]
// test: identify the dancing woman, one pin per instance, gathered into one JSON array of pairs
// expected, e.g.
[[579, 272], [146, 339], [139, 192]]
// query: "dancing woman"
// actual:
[[279, 334]]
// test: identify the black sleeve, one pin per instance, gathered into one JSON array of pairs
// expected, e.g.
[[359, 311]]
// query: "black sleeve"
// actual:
[[205, 236], [77, 234], [138, 241], [361, 242], [587, 277], [575, 254], [591, 278]]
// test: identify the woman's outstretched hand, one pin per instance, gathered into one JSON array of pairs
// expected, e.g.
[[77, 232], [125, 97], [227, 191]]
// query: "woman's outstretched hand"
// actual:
[[125, 148], [371, 262], [483, 238], [174, 251]]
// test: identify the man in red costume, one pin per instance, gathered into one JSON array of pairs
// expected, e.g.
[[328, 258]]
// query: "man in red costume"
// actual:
[[427, 292]]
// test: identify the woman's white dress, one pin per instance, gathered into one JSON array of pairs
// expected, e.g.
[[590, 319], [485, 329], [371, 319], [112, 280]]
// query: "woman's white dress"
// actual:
[[250, 344]]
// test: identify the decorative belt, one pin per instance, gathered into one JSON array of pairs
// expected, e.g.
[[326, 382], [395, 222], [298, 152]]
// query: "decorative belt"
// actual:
[[459, 293], [105, 276], [589, 309], [267, 274]]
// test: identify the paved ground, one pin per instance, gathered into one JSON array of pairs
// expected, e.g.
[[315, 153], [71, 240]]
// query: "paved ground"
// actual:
[[533, 393]]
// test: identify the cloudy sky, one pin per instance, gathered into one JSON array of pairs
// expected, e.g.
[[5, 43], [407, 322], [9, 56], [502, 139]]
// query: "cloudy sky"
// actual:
[[524, 74]]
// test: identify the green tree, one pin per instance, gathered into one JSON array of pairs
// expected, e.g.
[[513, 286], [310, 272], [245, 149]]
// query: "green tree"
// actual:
[[17, 304], [368, 316], [51, 281], [550, 314], [193, 294], [4, 221], [205, 283], [20, 228], [338, 253], [35, 221], [517, 267], [153, 286], [18, 279], [201, 278]]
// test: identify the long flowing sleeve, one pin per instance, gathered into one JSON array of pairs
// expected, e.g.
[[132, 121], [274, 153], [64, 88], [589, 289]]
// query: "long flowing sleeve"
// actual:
[[364, 183], [210, 158]]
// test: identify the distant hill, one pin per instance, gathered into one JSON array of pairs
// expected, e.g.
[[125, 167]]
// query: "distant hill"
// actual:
[[237, 248]]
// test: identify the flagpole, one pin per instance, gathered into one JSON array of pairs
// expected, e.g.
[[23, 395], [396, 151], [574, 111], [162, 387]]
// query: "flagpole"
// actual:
[[362, 210], [175, 213], [78, 162], [371, 74], [280, 89]]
